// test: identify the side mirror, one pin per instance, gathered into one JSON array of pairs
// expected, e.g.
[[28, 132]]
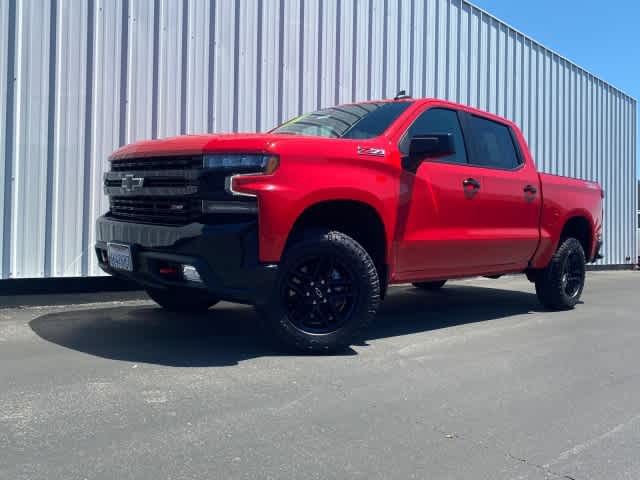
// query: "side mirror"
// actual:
[[424, 147]]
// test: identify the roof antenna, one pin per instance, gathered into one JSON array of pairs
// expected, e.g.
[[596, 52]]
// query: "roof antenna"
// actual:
[[402, 94]]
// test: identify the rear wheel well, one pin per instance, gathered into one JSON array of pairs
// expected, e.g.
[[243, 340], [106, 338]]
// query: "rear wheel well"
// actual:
[[580, 229], [357, 219]]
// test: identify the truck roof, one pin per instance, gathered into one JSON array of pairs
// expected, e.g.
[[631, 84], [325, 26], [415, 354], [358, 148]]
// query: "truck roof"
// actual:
[[426, 100]]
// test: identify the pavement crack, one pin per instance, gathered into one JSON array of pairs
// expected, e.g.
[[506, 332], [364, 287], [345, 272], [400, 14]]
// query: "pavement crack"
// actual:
[[496, 447], [547, 471]]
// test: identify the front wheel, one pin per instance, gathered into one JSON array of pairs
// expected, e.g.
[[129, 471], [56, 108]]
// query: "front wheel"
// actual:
[[327, 292], [182, 299], [560, 284]]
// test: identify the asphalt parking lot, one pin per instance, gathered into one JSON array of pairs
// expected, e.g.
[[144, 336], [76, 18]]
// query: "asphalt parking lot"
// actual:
[[476, 381]]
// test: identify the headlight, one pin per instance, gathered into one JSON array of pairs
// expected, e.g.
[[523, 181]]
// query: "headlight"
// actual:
[[245, 163]]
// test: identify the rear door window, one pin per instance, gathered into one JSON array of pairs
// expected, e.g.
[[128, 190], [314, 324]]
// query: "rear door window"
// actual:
[[493, 144]]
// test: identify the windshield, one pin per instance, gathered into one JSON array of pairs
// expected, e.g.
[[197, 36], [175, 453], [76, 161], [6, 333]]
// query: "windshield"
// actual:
[[359, 120]]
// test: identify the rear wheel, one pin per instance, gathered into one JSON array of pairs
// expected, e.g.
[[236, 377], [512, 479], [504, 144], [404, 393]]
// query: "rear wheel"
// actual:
[[182, 299], [327, 292], [430, 285], [559, 286]]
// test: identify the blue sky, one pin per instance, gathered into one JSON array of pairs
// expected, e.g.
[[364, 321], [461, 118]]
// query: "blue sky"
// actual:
[[601, 36]]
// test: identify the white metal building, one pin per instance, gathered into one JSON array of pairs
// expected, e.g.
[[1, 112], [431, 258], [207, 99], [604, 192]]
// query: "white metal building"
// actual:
[[78, 78]]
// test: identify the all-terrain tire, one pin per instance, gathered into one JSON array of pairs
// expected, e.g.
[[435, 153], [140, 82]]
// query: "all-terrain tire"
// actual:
[[561, 283], [182, 299], [298, 277], [431, 286]]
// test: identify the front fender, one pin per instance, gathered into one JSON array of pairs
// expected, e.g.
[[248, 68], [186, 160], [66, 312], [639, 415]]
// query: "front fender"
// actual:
[[284, 196]]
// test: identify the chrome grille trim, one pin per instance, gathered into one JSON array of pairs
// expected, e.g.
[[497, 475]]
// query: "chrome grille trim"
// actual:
[[156, 183]]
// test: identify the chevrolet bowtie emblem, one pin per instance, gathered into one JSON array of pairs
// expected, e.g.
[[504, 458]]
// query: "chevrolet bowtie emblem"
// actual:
[[131, 183]]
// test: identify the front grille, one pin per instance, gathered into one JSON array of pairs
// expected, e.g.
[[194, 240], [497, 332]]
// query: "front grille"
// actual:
[[168, 190], [154, 183], [161, 210], [182, 162]]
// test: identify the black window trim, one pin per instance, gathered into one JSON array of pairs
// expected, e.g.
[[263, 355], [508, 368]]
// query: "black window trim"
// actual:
[[516, 145], [460, 125], [468, 141], [469, 132]]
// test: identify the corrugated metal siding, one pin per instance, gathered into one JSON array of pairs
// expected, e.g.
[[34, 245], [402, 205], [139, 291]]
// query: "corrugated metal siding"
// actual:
[[78, 78]]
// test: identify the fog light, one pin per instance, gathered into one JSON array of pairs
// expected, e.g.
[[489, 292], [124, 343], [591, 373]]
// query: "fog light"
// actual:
[[168, 271], [229, 207], [190, 274]]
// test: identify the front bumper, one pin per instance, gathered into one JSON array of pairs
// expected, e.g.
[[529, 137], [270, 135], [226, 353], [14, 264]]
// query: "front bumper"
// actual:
[[225, 256]]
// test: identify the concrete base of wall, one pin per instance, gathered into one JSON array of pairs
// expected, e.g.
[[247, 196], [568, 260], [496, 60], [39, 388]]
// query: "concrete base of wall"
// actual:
[[40, 286], [43, 286], [623, 266]]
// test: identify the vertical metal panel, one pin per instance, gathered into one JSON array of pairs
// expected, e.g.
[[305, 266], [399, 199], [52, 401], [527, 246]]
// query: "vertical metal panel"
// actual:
[[33, 135], [78, 78], [390, 67], [71, 136], [108, 106], [7, 11], [376, 47], [225, 32], [363, 18], [464, 55], [405, 50], [309, 33], [247, 67], [141, 64], [291, 55], [199, 46], [345, 53], [452, 63], [431, 49], [270, 63], [473, 79], [167, 28]]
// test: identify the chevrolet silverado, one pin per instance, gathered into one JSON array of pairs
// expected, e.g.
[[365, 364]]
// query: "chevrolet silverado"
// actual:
[[313, 220]]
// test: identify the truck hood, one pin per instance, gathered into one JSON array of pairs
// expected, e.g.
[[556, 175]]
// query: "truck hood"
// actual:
[[198, 144]]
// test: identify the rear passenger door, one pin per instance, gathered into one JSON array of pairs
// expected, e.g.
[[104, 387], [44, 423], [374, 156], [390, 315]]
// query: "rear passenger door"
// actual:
[[510, 201]]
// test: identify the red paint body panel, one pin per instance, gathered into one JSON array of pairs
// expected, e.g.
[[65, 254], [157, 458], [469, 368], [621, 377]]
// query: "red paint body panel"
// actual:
[[434, 229], [563, 199]]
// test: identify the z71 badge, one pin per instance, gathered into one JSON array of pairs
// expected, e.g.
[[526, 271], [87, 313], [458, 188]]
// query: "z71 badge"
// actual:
[[374, 152]]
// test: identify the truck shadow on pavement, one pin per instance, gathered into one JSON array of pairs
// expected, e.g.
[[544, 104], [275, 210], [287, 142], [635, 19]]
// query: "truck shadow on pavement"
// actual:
[[228, 334]]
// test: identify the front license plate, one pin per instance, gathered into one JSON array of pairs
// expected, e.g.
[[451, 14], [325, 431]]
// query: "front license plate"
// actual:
[[120, 257]]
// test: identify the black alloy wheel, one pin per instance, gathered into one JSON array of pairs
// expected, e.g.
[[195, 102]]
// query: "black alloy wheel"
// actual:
[[560, 285], [319, 294], [573, 274], [326, 294]]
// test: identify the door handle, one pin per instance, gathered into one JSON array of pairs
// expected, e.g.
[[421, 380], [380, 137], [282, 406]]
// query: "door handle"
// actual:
[[530, 189], [471, 182]]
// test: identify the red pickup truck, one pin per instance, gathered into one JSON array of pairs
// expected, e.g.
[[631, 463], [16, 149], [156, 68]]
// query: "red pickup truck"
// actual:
[[313, 220]]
